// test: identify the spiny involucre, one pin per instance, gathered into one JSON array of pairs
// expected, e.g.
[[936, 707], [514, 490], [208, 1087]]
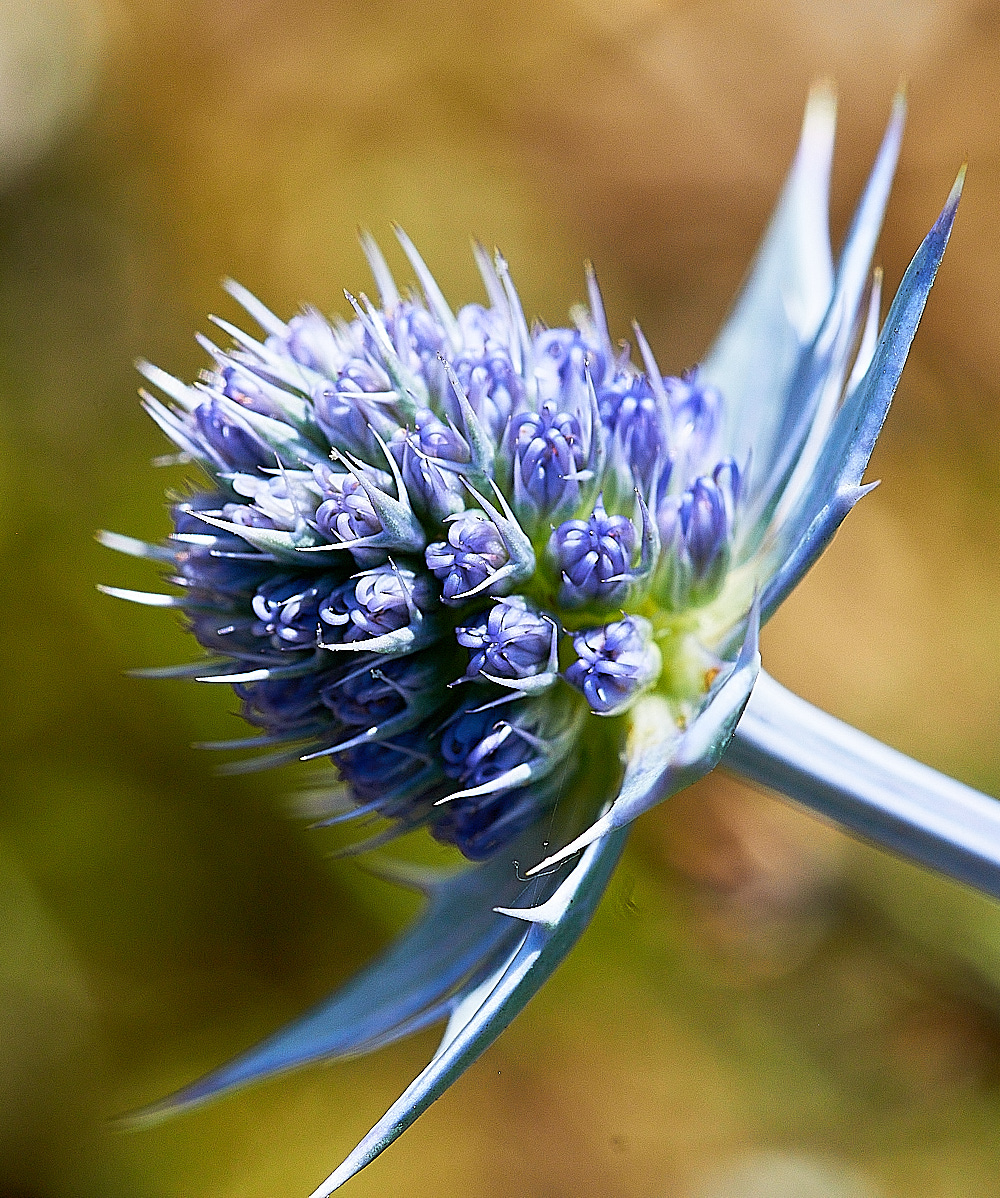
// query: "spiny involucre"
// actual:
[[509, 578]]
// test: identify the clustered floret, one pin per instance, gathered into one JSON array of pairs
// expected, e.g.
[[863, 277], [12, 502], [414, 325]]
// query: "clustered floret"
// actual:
[[415, 499]]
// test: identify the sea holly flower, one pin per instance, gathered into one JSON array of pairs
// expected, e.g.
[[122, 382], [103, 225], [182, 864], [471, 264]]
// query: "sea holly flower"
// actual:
[[509, 583]]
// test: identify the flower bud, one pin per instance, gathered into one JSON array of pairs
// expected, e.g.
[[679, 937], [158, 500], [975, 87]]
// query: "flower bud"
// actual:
[[346, 514], [284, 704], [630, 412], [378, 602], [235, 443], [696, 409], [473, 553], [416, 335], [562, 359], [478, 747], [594, 558], [239, 384], [422, 454], [371, 695], [696, 536], [391, 773], [288, 609], [478, 829], [284, 500], [548, 451], [347, 417], [493, 387], [511, 642], [311, 342], [615, 664]]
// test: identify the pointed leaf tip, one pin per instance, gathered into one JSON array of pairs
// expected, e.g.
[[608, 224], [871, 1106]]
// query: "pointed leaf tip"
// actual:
[[381, 273], [899, 107], [821, 107], [956, 188], [480, 1013], [132, 546], [757, 353], [941, 229], [832, 487], [146, 598]]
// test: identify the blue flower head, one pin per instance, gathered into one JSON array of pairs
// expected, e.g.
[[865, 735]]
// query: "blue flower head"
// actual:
[[509, 582]]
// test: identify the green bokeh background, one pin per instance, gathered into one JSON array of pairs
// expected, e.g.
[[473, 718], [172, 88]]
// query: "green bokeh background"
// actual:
[[763, 1008]]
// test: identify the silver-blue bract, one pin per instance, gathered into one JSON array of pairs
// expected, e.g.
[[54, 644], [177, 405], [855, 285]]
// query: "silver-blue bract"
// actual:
[[511, 585]]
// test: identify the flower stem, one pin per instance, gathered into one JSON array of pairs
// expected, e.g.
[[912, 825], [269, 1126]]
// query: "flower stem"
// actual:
[[879, 794]]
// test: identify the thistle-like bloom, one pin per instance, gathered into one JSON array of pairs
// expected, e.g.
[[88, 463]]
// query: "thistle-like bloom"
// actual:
[[414, 499]]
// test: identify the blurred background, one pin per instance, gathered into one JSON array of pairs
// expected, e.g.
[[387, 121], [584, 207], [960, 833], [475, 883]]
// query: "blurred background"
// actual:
[[763, 1007]]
